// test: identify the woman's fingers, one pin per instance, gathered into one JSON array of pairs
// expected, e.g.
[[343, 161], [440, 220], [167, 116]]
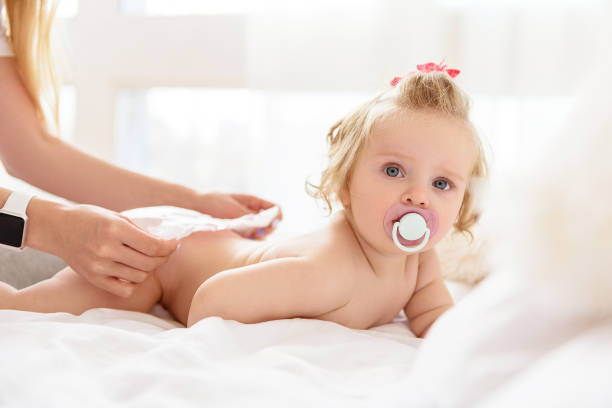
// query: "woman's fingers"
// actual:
[[137, 260], [255, 204], [127, 273], [143, 242], [237, 208], [262, 233], [113, 285], [117, 278]]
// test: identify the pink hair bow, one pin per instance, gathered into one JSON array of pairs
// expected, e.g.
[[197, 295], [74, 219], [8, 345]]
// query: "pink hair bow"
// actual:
[[429, 67]]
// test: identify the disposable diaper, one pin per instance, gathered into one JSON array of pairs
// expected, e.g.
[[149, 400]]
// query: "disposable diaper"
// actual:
[[174, 222]]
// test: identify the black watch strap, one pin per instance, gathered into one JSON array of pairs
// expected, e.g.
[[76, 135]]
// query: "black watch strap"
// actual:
[[13, 220]]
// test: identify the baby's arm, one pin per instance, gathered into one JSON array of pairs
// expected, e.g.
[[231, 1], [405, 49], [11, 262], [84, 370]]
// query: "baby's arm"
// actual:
[[431, 297], [274, 289]]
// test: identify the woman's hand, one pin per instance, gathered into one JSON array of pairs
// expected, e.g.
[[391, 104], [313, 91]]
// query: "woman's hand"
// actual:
[[104, 247], [220, 205]]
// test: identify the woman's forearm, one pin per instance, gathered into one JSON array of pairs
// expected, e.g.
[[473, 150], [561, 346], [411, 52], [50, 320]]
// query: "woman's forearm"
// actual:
[[65, 171]]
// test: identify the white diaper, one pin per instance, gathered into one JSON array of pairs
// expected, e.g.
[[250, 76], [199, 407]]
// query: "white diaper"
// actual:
[[174, 222]]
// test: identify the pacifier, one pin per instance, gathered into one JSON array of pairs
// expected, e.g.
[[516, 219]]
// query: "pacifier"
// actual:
[[411, 227]]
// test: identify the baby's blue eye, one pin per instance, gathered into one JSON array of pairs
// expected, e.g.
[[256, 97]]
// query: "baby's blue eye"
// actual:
[[441, 184], [393, 171]]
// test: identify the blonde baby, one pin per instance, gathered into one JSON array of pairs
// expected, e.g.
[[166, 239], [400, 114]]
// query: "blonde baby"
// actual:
[[409, 150]]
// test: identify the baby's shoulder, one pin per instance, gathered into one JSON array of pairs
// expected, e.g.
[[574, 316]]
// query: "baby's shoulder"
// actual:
[[337, 255], [334, 239]]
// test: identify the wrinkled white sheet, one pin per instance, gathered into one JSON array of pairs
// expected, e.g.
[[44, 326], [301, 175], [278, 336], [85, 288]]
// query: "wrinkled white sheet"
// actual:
[[501, 346], [106, 357]]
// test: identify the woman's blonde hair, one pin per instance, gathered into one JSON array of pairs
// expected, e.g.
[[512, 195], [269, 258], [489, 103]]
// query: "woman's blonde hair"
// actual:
[[29, 25], [433, 92]]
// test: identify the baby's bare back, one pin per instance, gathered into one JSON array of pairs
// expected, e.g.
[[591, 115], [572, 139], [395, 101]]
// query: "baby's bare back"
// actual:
[[376, 299]]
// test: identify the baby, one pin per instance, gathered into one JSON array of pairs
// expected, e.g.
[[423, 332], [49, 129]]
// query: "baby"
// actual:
[[411, 149]]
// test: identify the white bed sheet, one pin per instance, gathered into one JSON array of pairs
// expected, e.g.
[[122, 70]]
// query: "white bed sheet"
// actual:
[[106, 357], [502, 346]]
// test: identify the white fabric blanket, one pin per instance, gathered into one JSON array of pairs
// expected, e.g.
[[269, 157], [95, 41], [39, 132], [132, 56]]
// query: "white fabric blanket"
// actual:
[[499, 347], [502, 346], [108, 357], [511, 344]]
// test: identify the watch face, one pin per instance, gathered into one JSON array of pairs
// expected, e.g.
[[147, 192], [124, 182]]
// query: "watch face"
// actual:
[[11, 230]]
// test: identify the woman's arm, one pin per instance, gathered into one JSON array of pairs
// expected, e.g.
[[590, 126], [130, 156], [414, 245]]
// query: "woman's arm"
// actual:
[[49, 163], [31, 154], [99, 244]]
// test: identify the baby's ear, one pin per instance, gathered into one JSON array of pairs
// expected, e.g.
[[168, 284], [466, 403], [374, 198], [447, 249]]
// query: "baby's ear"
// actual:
[[344, 197]]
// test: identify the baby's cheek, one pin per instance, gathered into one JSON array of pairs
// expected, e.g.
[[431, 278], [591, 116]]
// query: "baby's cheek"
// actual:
[[445, 223]]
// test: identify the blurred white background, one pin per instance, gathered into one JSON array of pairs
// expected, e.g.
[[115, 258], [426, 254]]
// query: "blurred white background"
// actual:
[[238, 96]]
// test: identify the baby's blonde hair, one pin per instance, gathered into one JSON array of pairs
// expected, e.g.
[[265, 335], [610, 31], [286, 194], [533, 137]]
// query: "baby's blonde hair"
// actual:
[[432, 92]]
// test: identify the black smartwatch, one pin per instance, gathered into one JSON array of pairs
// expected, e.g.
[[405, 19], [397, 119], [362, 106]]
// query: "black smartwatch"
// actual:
[[14, 221]]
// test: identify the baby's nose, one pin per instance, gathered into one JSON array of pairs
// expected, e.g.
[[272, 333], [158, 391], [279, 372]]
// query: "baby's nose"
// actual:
[[415, 197]]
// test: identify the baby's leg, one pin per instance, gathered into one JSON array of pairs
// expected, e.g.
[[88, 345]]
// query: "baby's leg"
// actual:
[[69, 292], [7, 294]]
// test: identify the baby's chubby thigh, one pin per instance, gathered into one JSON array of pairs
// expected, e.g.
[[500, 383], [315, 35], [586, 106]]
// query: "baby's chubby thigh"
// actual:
[[196, 258]]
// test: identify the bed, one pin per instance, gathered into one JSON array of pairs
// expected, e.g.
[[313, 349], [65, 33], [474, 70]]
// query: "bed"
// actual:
[[486, 352]]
